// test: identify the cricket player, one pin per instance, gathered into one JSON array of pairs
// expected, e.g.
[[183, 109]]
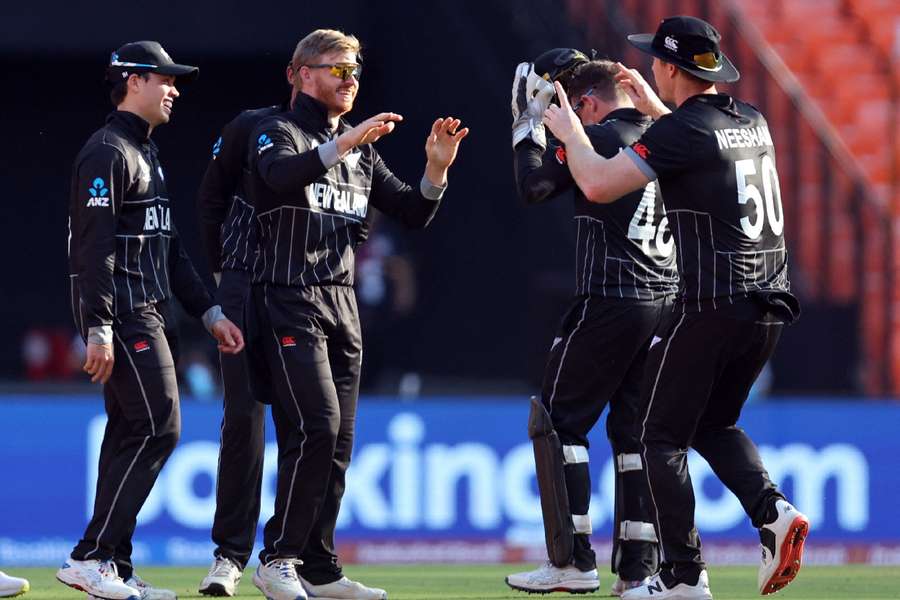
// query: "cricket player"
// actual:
[[12, 586], [715, 163], [126, 266], [230, 239], [314, 179], [625, 276]]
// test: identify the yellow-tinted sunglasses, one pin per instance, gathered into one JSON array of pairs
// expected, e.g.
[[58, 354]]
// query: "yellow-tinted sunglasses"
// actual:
[[341, 70]]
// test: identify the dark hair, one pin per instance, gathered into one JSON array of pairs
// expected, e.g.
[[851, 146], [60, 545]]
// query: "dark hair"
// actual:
[[597, 74], [120, 88]]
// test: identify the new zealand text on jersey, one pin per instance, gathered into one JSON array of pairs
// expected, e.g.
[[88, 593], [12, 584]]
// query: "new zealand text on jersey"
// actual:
[[743, 137], [156, 217], [326, 197]]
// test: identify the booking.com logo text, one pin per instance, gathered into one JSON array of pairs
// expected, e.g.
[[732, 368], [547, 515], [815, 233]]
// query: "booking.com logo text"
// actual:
[[409, 483]]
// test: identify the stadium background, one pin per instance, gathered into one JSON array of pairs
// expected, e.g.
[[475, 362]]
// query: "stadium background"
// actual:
[[458, 318]]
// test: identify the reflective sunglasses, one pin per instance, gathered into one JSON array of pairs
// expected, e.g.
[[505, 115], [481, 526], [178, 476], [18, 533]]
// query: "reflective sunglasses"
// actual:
[[580, 104], [342, 70]]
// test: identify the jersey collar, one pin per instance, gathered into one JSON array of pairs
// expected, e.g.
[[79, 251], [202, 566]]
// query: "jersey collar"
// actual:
[[136, 128], [312, 114]]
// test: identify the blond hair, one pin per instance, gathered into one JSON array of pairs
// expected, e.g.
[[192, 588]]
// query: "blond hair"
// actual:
[[323, 41]]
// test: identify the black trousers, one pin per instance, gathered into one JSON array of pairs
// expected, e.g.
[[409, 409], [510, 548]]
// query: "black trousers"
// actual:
[[698, 378], [242, 442], [310, 340], [142, 429], [597, 359]]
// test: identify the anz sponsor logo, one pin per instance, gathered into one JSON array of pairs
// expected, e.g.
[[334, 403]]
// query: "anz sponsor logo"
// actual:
[[263, 143], [99, 193], [324, 196], [408, 483]]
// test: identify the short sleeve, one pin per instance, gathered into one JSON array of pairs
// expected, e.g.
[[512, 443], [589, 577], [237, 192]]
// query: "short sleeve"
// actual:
[[664, 149]]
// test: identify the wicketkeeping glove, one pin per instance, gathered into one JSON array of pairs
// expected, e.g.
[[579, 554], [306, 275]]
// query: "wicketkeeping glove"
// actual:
[[531, 95]]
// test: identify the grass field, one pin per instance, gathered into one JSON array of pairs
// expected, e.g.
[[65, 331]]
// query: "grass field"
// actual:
[[486, 582]]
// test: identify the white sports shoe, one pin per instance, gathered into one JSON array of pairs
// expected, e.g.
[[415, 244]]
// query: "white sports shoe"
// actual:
[[655, 589], [343, 589], [621, 585], [548, 578], [278, 580], [98, 578], [12, 586], [148, 592], [782, 548], [222, 579]]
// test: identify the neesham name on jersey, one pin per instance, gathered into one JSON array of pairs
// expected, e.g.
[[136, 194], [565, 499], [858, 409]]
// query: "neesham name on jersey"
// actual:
[[326, 197], [743, 137]]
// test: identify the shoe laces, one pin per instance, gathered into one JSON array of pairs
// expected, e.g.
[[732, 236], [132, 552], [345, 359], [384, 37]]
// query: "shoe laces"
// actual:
[[107, 570], [287, 568], [223, 567]]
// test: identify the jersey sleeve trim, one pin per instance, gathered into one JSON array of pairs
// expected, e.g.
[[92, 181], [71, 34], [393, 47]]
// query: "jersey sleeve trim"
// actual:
[[641, 164]]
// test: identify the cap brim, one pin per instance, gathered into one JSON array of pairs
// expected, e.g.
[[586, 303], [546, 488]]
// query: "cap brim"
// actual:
[[728, 73], [185, 73]]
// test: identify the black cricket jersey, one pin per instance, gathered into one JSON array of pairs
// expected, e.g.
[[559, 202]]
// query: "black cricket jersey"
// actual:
[[715, 163], [623, 249], [124, 249], [227, 219], [311, 217]]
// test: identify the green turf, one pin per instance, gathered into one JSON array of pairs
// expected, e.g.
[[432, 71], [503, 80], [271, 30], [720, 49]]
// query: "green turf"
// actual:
[[486, 582]]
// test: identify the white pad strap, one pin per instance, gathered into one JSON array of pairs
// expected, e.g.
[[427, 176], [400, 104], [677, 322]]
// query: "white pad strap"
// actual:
[[638, 531], [582, 524], [575, 454], [629, 462]]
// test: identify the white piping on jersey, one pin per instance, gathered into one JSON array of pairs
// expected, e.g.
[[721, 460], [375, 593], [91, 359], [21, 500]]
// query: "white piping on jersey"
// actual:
[[277, 237], [128, 279], [153, 267], [312, 210], [337, 249], [144, 235], [290, 252], [305, 245], [337, 185], [153, 199], [140, 269]]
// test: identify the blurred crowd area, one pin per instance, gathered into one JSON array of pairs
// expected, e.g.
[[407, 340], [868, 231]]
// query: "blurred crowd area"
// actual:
[[470, 305]]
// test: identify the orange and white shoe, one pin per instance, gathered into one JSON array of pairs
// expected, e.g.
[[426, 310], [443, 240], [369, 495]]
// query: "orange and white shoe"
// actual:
[[782, 548]]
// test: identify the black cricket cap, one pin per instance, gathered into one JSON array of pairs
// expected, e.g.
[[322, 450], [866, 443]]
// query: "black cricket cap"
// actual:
[[690, 44], [146, 57]]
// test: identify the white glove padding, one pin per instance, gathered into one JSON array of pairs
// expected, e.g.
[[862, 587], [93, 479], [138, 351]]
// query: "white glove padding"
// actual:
[[531, 95]]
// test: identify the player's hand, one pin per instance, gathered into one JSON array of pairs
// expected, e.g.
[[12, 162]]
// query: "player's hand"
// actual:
[[367, 132], [562, 120], [229, 336], [640, 92], [99, 362], [443, 143]]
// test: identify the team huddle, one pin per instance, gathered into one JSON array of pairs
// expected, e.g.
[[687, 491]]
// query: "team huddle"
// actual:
[[681, 292]]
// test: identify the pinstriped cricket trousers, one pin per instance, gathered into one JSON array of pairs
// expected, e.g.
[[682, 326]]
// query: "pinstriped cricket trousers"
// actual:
[[142, 429], [310, 340]]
